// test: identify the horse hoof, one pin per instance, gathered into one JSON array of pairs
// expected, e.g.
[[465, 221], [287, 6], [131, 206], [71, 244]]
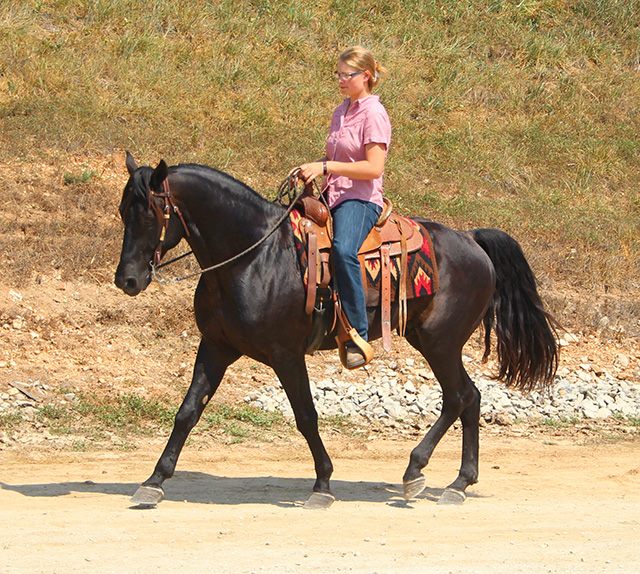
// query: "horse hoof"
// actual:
[[414, 487], [451, 496], [319, 500], [148, 496]]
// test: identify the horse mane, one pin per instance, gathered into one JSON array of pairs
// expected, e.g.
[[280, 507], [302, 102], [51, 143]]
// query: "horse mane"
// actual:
[[216, 178], [223, 178]]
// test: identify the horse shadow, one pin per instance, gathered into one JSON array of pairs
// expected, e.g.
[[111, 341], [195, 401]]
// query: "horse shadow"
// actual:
[[203, 488]]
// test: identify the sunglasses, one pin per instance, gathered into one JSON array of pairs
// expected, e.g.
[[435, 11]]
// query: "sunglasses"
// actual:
[[346, 75]]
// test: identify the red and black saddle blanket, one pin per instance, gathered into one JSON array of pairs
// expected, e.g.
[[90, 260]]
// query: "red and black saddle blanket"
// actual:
[[422, 276]]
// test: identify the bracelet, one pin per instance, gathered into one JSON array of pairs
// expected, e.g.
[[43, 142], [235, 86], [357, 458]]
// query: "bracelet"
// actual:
[[324, 167]]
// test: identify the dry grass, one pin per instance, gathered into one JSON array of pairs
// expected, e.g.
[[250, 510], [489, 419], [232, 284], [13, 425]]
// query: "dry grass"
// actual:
[[519, 115]]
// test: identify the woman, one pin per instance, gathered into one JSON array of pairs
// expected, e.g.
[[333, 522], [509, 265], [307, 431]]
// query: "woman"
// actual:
[[356, 150]]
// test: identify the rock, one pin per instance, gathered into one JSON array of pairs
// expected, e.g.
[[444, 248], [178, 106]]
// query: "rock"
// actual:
[[409, 387], [621, 361], [390, 398]]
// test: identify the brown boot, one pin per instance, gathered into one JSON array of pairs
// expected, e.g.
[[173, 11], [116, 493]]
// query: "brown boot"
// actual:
[[354, 356]]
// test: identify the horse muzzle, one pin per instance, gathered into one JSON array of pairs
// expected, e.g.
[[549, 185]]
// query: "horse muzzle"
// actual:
[[132, 282]]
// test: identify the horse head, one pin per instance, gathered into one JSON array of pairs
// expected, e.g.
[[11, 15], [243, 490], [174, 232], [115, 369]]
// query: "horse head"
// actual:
[[146, 238]]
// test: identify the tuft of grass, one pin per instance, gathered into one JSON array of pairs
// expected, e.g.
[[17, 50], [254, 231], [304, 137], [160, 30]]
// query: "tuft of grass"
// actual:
[[131, 413], [9, 421], [633, 421], [59, 419], [218, 414], [339, 423], [239, 422], [560, 422], [127, 412], [78, 178]]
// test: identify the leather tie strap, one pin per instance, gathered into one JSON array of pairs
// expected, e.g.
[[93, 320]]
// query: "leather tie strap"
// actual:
[[385, 303], [312, 276], [402, 284]]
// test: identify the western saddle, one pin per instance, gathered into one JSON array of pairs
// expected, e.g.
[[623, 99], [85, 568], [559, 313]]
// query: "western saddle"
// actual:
[[392, 236]]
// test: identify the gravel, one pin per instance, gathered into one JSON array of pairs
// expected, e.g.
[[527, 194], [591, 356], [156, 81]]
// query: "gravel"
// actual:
[[408, 393]]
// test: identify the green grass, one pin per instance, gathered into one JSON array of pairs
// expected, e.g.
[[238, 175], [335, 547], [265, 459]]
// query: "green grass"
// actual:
[[78, 178], [131, 414], [521, 114], [9, 421], [216, 414], [240, 422], [128, 412], [560, 422]]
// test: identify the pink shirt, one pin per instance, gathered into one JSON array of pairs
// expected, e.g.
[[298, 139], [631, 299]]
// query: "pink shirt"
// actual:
[[352, 128]]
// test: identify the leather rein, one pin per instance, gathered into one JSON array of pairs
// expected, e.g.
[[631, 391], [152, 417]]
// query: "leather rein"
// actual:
[[163, 216]]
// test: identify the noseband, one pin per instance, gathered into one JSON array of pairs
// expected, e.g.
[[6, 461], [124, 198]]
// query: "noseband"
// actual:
[[163, 214]]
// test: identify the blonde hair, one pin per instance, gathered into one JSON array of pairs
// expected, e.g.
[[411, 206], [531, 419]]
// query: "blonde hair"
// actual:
[[361, 59]]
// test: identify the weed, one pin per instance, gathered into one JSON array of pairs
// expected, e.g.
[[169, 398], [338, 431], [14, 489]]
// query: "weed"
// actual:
[[79, 445], [59, 419], [9, 421], [222, 413], [78, 178], [560, 422], [128, 412], [340, 423]]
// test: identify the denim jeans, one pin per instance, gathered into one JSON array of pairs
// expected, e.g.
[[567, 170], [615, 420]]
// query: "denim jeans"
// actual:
[[352, 221]]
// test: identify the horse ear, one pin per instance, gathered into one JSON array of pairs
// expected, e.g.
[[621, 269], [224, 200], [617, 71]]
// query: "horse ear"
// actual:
[[159, 175], [131, 163]]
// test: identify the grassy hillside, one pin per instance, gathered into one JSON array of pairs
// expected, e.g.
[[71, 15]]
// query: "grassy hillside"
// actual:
[[521, 115]]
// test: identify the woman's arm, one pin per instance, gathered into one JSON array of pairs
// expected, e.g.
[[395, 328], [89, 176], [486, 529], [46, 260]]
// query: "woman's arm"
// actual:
[[369, 168]]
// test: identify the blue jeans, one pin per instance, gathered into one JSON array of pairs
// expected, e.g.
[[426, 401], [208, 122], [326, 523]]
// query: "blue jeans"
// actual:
[[352, 221]]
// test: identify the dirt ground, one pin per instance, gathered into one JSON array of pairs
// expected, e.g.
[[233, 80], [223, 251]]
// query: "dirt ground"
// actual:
[[548, 500], [540, 506]]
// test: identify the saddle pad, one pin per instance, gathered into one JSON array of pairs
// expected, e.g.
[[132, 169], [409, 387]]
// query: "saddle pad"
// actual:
[[422, 277]]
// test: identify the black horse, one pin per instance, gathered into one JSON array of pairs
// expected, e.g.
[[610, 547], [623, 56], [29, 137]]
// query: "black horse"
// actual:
[[254, 306]]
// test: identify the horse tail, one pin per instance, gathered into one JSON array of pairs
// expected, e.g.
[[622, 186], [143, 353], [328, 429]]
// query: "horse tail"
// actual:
[[526, 334]]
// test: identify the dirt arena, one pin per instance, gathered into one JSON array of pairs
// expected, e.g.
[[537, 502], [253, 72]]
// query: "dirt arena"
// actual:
[[543, 504]]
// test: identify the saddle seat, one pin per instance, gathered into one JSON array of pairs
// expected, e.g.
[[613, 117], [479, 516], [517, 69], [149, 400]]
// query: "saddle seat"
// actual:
[[390, 229], [392, 236]]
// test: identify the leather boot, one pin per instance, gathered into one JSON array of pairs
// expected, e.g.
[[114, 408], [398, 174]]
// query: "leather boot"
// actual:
[[354, 356]]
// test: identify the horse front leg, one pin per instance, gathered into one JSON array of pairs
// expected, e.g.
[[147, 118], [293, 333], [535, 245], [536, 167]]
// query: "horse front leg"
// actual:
[[292, 373], [210, 366]]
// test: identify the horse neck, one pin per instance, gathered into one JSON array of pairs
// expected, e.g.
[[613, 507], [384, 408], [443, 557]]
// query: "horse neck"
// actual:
[[224, 216]]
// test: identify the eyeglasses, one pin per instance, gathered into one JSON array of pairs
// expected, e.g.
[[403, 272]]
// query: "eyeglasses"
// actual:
[[346, 75]]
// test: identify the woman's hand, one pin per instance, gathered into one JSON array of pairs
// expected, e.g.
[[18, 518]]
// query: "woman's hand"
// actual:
[[309, 171]]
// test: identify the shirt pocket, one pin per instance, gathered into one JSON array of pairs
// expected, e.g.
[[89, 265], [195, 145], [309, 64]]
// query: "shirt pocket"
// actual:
[[350, 141], [331, 145]]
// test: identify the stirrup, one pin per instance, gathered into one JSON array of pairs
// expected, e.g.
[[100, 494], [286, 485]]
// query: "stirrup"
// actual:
[[363, 347]]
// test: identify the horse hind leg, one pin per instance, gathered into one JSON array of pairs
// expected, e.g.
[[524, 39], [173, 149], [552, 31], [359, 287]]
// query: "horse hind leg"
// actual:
[[468, 474], [460, 399], [208, 371]]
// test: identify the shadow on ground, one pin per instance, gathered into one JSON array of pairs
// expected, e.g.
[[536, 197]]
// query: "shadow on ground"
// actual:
[[202, 488]]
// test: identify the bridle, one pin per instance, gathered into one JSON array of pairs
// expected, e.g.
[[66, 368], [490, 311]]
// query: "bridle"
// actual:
[[287, 192], [163, 215]]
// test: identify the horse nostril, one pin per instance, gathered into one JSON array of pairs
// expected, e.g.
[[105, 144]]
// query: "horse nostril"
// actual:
[[131, 284]]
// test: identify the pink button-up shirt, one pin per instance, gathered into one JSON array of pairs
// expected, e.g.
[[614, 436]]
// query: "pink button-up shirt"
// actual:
[[352, 127]]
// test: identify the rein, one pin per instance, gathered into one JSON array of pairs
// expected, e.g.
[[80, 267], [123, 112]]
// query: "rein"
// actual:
[[285, 190]]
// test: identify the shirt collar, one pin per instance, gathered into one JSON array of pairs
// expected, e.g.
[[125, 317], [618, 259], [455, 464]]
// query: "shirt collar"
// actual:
[[349, 105]]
